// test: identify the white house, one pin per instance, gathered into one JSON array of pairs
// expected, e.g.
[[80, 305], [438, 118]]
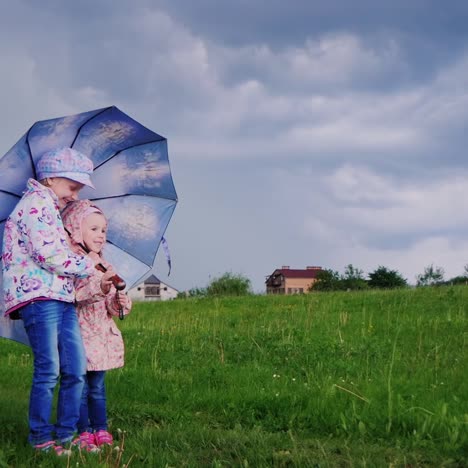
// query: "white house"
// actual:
[[152, 289]]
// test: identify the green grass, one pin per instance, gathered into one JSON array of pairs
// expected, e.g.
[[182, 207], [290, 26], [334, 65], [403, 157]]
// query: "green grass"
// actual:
[[322, 380]]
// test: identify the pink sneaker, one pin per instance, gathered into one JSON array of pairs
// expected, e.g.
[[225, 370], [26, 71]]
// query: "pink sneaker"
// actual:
[[103, 438], [51, 446], [85, 441], [45, 446]]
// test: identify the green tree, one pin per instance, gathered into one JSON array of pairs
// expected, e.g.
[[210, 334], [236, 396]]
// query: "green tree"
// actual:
[[229, 284], [461, 279], [353, 278], [432, 276], [385, 278], [327, 280], [457, 280]]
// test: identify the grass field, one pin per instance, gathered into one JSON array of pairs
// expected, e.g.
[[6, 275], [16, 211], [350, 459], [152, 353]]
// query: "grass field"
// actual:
[[355, 379]]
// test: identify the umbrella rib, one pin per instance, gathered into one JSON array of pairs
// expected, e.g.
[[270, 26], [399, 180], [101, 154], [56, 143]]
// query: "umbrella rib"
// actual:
[[30, 153], [133, 195], [89, 120], [124, 149], [128, 147], [10, 193]]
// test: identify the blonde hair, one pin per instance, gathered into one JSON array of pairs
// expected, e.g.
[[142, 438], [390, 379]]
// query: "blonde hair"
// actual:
[[45, 182]]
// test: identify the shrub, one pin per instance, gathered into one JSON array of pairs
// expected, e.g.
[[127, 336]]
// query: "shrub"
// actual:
[[353, 278], [194, 292], [229, 284], [327, 280], [432, 276], [384, 278]]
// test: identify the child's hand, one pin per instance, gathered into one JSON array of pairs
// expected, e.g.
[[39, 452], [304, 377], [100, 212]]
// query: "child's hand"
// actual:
[[106, 280], [123, 298]]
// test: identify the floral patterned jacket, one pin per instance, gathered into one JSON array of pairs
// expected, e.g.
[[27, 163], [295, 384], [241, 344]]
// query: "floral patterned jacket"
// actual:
[[102, 339], [37, 260]]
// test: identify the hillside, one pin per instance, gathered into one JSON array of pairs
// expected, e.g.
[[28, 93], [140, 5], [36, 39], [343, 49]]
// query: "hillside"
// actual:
[[331, 379]]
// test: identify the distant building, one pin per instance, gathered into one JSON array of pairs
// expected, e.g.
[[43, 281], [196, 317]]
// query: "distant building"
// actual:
[[152, 289], [285, 280]]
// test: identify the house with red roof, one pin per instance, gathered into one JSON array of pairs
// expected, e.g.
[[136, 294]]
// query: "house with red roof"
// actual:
[[286, 280]]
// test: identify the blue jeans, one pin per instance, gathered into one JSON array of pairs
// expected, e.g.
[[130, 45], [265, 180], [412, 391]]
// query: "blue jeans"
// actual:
[[54, 334], [93, 413]]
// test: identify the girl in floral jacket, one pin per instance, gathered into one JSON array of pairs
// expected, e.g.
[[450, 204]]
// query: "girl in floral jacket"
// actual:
[[39, 269], [97, 302]]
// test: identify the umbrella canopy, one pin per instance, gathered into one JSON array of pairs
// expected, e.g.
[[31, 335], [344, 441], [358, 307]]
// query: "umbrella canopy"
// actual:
[[132, 176]]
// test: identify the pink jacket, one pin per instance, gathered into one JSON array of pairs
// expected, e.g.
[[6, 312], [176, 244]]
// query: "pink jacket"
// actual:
[[101, 338]]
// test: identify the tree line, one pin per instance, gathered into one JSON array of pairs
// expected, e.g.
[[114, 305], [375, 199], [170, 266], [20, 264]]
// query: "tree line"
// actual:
[[353, 278], [382, 277]]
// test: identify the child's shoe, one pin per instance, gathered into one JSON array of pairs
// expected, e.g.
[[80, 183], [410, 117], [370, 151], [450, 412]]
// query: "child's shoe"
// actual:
[[62, 451], [45, 446], [103, 437], [85, 441], [51, 446]]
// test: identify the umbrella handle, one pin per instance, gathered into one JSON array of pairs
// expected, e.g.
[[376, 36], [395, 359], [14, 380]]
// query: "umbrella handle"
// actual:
[[121, 311], [118, 282]]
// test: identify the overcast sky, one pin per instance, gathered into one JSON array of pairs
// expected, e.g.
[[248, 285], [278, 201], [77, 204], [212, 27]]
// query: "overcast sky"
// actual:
[[300, 133]]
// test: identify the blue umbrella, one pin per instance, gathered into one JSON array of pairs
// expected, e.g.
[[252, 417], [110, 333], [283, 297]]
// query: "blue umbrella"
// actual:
[[132, 176]]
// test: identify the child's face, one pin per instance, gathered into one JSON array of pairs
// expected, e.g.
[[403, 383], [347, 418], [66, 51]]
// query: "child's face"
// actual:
[[94, 228], [65, 189]]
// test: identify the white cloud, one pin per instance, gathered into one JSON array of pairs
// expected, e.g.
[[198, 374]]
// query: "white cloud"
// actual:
[[373, 203]]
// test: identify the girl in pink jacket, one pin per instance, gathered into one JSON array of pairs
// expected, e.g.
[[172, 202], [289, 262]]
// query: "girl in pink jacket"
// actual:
[[97, 302]]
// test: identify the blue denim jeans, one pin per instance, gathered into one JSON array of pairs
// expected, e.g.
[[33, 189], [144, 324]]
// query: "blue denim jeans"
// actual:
[[54, 334], [93, 413]]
